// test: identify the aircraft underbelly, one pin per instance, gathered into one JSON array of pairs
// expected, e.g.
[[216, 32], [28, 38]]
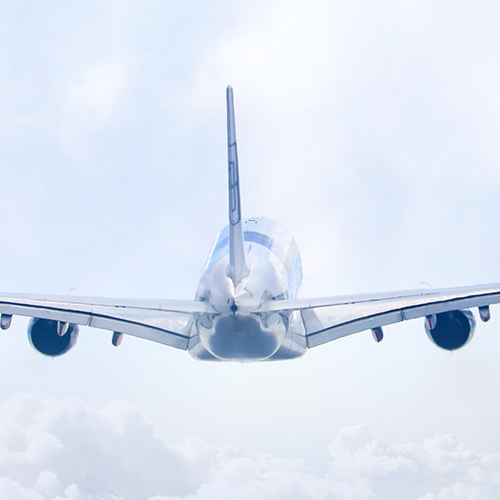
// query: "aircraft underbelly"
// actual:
[[243, 337]]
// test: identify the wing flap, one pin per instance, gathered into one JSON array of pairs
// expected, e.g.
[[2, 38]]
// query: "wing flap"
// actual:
[[338, 331], [144, 330], [55, 315]]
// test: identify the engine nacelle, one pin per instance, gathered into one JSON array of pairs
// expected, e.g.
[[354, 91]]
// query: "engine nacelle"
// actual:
[[47, 336], [451, 330]]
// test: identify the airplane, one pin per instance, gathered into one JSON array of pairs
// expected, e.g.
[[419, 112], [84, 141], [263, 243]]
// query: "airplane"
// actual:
[[246, 307]]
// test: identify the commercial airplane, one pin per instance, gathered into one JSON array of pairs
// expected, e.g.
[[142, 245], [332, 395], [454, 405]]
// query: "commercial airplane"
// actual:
[[246, 306]]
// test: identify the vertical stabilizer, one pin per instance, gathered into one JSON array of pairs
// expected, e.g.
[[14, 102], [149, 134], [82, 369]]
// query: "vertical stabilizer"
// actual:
[[238, 268]]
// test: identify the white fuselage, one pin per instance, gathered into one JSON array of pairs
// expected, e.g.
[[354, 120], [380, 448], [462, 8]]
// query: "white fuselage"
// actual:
[[235, 330]]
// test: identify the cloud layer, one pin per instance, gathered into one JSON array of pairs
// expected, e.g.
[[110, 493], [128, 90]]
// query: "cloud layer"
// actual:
[[64, 449]]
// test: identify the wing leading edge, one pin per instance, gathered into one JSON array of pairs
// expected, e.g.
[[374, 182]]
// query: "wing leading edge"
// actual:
[[331, 318]]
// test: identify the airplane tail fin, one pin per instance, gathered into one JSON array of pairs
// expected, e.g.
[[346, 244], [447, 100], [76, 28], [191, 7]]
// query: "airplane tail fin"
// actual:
[[238, 268]]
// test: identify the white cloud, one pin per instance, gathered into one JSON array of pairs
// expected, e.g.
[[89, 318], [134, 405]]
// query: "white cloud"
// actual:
[[48, 484], [112, 453]]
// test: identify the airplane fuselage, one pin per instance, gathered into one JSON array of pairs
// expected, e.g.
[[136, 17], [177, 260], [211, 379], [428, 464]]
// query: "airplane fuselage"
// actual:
[[235, 330]]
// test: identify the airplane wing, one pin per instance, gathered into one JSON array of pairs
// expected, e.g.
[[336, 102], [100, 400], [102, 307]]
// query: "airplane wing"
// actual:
[[331, 318], [163, 321], [325, 319]]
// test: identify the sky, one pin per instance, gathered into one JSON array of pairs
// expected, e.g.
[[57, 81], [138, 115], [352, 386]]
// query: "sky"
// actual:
[[368, 129]]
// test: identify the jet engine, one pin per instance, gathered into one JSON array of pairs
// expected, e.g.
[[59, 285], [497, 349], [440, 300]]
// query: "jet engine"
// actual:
[[52, 338], [450, 330]]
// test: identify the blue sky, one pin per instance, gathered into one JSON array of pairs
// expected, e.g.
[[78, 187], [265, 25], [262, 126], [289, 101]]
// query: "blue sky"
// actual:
[[370, 130]]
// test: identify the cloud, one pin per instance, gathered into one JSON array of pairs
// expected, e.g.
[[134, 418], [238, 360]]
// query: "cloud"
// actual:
[[50, 445], [440, 468], [66, 450]]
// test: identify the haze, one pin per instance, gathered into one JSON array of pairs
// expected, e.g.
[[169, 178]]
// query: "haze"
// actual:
[[370, 130]]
